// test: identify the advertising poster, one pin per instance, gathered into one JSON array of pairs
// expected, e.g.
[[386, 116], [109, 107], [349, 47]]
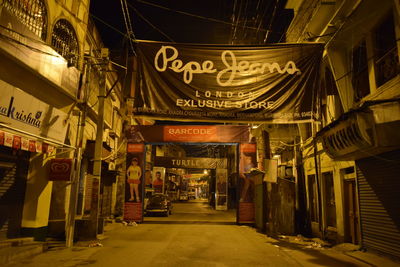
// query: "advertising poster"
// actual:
[[158, 180], [133, 210], [277, 83], [248, 161], [60, 169], [222, 189], [271, 174]]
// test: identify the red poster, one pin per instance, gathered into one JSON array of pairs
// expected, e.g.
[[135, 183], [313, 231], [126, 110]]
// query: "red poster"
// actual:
[[248, 148], [8, 139], [246, 212], [17, 142], [135, 148], [1, 138], [60, 169], [248, 162], [25, 144], [133, 211], [44, 147], [134, 185], [32, 146], [39, 148]]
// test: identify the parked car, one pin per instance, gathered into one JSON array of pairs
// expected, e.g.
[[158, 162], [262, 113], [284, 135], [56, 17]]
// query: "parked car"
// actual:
[[183, 196], [159, 204]]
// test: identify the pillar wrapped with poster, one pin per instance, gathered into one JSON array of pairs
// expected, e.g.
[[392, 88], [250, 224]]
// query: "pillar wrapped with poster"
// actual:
[[133, 210], [248, 163]]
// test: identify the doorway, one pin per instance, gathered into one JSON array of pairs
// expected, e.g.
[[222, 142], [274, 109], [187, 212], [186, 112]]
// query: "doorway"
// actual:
[[351, 217]]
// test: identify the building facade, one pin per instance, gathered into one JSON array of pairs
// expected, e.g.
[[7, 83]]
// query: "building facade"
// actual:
[[49, 115], [351, 158]]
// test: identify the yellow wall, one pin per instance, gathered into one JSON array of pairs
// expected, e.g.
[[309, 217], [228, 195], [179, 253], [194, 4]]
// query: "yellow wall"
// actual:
[[328, 165], [38, 193]]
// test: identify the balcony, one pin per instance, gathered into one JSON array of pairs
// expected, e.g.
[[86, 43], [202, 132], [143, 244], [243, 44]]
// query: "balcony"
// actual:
[[369, 130]]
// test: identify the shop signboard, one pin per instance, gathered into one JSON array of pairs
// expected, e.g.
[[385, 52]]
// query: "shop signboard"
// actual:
[[22, 111], [187, 133], [60, 169], [191, 162]]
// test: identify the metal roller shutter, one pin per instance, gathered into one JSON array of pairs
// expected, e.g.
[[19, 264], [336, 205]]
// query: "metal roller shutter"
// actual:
[[379, 195]]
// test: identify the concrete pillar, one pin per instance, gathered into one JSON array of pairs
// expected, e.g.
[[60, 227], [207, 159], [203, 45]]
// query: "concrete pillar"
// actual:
[[35, 215]]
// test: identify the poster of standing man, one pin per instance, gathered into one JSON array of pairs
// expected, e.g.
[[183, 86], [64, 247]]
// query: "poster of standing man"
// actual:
[[158, 179]]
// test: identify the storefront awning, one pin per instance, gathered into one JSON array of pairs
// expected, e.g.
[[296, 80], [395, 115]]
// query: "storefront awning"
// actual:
[[21, 140]]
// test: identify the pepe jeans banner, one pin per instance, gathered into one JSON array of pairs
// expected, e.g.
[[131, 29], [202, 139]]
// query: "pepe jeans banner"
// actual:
[[277, 83]]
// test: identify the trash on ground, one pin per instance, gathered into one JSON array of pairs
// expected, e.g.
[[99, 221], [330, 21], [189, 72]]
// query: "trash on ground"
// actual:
[[132, 224], [95, 244]]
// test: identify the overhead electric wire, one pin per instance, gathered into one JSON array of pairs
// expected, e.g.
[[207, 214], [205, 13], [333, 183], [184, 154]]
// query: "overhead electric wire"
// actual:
[[108, 25], [245, 20], [185, 13], [237, 21], [192, 15], [262, 17], [233, 18], [154, 27], [128, 24], [271, 21]]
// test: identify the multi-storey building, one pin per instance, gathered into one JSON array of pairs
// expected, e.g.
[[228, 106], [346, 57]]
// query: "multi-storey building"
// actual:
[[51, 71], [351, 158]]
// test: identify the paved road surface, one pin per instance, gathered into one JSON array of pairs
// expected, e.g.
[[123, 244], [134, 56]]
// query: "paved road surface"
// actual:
[[194, 235]]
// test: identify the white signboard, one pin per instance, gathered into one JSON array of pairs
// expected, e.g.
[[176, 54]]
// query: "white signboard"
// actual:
[[271, 170], [22, 111]]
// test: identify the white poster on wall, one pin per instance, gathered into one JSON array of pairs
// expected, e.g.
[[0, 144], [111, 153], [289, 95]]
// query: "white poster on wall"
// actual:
[[271, 170]]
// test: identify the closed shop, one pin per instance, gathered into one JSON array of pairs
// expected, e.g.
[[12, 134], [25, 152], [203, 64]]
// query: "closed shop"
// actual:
[[13, 174], [379, 196]]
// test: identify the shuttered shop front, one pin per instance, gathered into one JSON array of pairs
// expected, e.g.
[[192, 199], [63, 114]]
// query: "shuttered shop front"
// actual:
[[379, 195]]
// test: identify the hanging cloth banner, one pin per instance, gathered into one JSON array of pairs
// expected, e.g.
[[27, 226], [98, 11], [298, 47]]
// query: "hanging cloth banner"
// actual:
[[277, 83]]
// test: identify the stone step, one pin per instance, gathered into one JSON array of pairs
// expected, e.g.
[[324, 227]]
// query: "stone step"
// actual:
[[13, 242], [15, 250]]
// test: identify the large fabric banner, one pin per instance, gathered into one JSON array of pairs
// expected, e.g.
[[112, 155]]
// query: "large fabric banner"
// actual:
[[277, 83]]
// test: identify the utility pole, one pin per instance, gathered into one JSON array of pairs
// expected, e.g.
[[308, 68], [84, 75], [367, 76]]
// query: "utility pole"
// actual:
[[70, 221], [98, 148]]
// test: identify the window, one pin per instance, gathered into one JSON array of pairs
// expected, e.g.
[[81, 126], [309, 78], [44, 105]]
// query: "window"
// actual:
[[360, 80], [385, 51], [31, 13], [65, 42], [329, 197]]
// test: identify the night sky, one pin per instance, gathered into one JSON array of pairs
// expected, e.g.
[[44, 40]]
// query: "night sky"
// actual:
[[167, 16]]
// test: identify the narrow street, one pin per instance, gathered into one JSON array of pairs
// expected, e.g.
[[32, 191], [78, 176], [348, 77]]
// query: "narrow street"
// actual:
[[194, 235]]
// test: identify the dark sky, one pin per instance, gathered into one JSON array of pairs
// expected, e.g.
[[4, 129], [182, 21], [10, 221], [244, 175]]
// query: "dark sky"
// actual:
[[192, 21]]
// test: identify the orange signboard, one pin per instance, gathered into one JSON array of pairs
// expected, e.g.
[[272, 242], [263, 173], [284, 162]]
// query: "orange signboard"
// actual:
[[187, 133]]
